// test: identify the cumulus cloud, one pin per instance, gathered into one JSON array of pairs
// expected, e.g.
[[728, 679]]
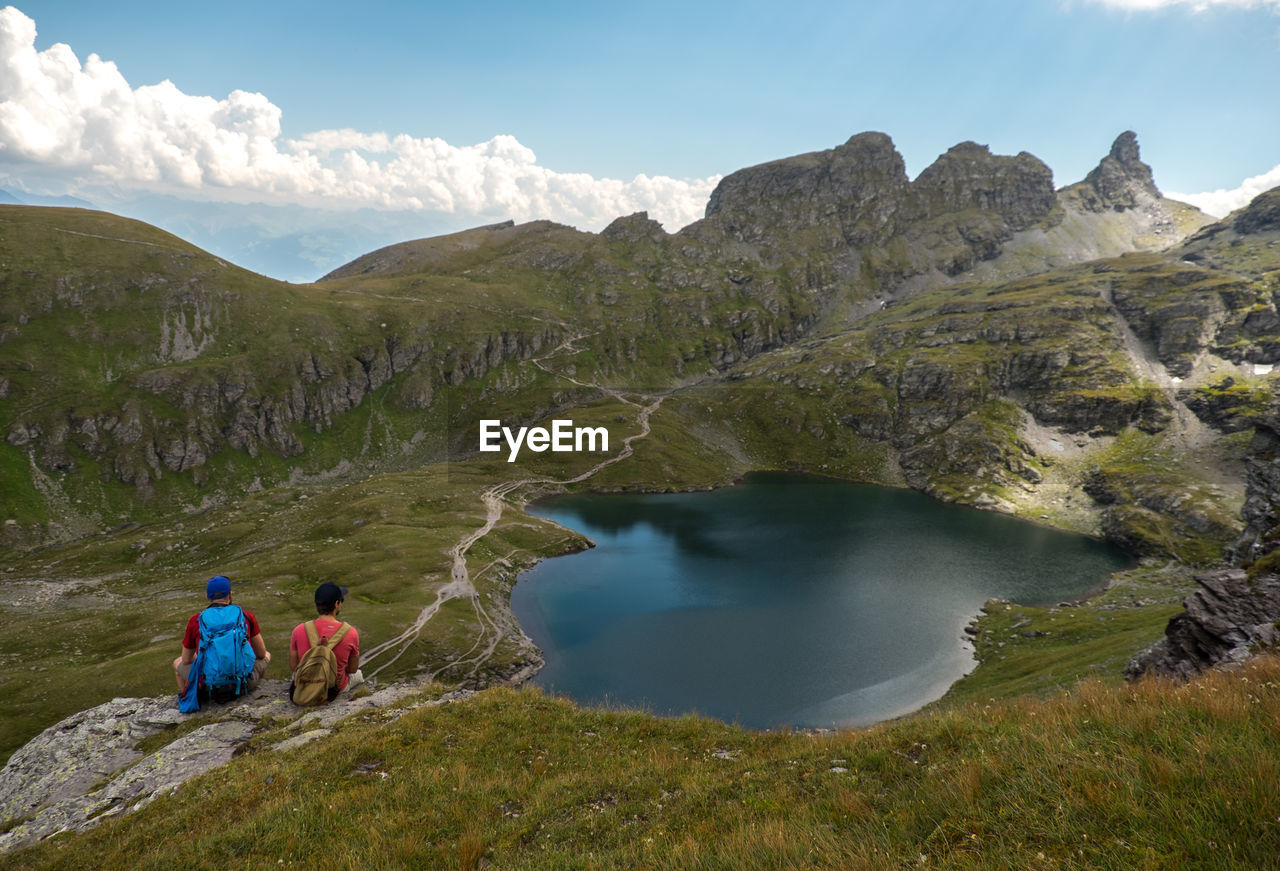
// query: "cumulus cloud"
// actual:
[[1222, 202], [85, 126]]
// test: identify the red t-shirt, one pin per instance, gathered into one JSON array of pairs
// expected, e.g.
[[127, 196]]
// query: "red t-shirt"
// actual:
[[191, 638], [325, 627]]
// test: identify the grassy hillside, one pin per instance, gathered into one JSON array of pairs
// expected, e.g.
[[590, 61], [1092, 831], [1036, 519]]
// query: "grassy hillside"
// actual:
[[143, 377], [1145, 776]]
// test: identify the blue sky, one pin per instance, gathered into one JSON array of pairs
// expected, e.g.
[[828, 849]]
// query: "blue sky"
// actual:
[[582, 111]]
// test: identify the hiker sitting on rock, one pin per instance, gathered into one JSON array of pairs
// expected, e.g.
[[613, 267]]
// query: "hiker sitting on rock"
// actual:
[[324, 653], [223, 654]]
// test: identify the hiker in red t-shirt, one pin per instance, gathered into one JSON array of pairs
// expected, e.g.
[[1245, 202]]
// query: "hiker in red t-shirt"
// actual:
[[218, 592], [329, 598]]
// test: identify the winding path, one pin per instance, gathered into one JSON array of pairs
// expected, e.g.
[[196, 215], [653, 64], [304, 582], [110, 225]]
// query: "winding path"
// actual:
[[495, 628]]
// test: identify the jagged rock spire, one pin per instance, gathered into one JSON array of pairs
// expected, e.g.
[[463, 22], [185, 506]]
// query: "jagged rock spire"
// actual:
[[1121, 180]]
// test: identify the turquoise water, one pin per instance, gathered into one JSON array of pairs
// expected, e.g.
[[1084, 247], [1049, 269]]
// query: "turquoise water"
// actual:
[[785, 600]]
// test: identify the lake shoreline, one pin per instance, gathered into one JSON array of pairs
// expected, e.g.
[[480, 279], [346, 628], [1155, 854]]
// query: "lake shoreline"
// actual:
[[962, 660]]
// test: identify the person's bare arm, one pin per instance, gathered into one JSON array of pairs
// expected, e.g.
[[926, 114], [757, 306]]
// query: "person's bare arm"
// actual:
[[259, 647], [188, 655]]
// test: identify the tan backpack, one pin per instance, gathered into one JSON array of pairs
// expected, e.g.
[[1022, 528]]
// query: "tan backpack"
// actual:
[[317, 671]]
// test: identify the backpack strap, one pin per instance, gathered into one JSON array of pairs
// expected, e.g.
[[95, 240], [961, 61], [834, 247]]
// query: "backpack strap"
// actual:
[[204, 631], [332, 641], [189, 698], [313, 634]]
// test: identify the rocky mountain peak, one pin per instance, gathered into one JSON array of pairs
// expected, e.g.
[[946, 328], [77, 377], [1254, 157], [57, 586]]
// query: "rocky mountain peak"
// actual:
[[853, 200], [1244, 241], [1121, 180], [858, 183], [871, 148], [969, 176], [1262, 215], [634, 227], [1125, 151]]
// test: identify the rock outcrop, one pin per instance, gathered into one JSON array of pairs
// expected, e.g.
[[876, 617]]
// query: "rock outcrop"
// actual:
[[855, 190], [1246, 242], [91, 766], [1121, 180], [969, 176], [1230, 618], [633, 228], [1261, 215], [1115, 209], [848, 203]]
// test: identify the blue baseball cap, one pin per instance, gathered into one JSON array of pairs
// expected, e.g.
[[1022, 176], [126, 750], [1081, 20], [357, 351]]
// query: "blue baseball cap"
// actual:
[[218, 587]]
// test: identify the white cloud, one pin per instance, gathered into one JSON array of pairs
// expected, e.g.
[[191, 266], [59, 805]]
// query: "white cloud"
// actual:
[[88, 128], [1197, 5], [1222, 202]]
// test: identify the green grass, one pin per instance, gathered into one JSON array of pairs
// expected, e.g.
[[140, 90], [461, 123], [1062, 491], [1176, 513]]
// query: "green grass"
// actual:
[[1034, 651], [1143, 776]]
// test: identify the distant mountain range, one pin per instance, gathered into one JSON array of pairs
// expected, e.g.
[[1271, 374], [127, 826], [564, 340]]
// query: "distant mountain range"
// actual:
[[26, 199], [931, 322]]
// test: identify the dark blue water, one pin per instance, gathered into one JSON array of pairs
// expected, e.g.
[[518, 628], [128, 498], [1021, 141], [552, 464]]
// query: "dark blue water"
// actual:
[[785, 600]]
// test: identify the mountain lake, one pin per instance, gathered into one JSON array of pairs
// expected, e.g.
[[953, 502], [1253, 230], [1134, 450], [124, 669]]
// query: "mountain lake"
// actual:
[[784, 600]]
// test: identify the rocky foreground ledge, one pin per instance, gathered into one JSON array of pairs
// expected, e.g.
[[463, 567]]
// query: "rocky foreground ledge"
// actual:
[[113, 758]]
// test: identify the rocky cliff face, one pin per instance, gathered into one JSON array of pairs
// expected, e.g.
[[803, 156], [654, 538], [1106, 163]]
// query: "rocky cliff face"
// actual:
[[848, 204], [1230, 618], [1117, 208], [1261, 513], [1246, 242], [852, 192], [969, 176], [1187, 312], [1262, 215], [851, 227], [1235, 613]]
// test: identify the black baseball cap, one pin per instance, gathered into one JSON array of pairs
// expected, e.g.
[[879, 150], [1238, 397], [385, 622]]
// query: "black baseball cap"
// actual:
[[328, 593]]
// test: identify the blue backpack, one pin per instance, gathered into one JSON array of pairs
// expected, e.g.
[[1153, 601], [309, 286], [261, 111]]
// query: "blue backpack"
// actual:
[[224, 660]]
